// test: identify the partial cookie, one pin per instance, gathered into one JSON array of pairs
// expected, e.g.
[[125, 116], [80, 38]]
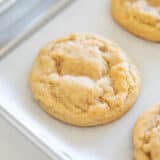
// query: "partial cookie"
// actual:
[[141, 17], [147, 135], [84, 79]]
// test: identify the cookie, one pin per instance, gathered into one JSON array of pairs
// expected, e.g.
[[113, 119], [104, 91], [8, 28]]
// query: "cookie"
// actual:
[[84, 79], [147, 135], [140, 17]]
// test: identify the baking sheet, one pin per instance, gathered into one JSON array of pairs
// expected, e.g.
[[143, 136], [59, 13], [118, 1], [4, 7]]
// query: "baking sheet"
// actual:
[[61, 141], [20, 18], [5, 5]]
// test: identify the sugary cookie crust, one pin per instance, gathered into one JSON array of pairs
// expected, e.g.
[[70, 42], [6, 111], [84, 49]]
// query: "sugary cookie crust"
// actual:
[[147, 135], [85, 80], [150, 7], [141, 17]]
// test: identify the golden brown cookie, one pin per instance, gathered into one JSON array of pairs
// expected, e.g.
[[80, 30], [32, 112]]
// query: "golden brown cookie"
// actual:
[[141, 17], [84, 79], [147, 135]]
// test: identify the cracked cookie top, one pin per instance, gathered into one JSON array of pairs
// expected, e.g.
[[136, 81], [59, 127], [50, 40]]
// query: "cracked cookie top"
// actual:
[[147, 135], [148, 7], [84, 79], [140, 17]]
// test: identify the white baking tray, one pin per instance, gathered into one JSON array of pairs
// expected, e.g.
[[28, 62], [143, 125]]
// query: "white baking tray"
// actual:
[[65, 142], [20, 18], [6, 4]]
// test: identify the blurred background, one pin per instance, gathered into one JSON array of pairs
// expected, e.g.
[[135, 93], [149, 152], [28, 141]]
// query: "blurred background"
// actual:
[[20, 18]]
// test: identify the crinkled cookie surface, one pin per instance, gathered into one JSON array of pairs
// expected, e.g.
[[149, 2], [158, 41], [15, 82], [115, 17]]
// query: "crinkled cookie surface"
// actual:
[[141, 17], [84, 79], [147, 135]]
